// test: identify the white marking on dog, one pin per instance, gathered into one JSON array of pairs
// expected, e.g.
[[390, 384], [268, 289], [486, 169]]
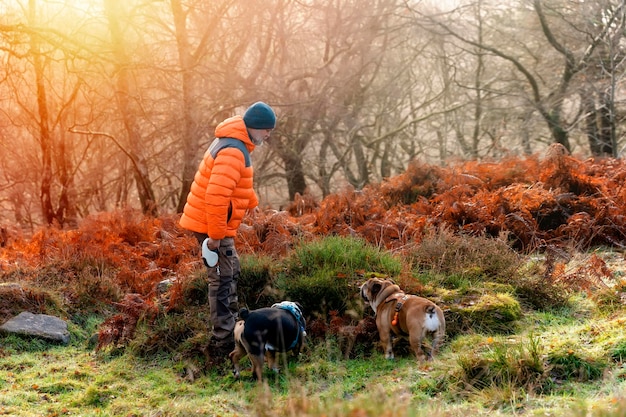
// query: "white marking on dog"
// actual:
[[431, 322]]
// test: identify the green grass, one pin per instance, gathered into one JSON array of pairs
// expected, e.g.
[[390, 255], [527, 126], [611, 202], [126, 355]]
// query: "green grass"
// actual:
[[341, 254], [324, 275], [563, 354], [582, 357]]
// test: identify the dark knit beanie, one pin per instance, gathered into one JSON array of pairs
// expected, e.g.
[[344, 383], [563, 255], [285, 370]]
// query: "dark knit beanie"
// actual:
[[260, 116]]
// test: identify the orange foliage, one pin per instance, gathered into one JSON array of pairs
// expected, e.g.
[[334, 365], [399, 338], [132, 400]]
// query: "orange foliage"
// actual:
[[591, 275], [127, 252], [120, 328], [557, 201], [554, 201]]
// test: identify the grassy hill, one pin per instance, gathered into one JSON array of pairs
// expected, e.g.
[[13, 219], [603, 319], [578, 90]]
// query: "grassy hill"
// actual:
[[530, 276], [559, 359]]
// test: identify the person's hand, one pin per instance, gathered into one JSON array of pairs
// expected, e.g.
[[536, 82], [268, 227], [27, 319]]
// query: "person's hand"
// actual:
[[213, 244], [210, 256]]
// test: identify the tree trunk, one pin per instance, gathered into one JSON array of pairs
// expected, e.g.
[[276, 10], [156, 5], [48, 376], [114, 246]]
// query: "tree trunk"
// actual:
[[322, 171], [189, 131], [66, 210], [128, 111], [361, 162], [591, 121], [294, 172], [45, 138], [385, 161], [607, 125], [555, 124]]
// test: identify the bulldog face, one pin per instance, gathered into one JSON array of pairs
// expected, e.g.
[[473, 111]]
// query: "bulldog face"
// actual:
[[365, 293], [371, 288]]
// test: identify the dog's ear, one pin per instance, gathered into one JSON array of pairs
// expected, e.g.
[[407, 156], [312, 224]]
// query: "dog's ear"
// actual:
[[244, 313], [376, 287]]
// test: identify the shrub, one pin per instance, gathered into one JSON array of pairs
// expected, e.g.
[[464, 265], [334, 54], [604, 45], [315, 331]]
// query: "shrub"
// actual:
[[540, 293], [569, 364], [608, 300], [324, 275], [255, 285], [16, 297], [490, 314], [466, 263], [195, 289], [343, 254], [618, 352], [503, 366], [185, 334], [470, 257], [320, 292]]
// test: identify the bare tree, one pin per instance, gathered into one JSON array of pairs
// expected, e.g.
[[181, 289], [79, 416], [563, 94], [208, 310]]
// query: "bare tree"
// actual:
[[127, 101], [116, 104], [348, 72], [190, 56], [602, 76], [45, 139], [549, 104], [45, 51]]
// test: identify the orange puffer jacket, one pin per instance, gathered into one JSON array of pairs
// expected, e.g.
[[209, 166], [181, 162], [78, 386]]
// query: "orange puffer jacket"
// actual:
[[221, 191]]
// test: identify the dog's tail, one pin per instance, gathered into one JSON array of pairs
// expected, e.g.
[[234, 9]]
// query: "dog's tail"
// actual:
[[244, 313], [432, 323]]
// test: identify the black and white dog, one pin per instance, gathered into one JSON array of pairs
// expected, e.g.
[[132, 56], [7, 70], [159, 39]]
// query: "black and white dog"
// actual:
[[264, 332]]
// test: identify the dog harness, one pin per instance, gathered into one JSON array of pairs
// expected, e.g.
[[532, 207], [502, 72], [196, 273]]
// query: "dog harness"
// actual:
[[400, 302], [295, 310]]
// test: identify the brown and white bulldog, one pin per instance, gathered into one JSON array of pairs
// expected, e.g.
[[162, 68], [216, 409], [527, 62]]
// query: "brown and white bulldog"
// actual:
[[407, 316]]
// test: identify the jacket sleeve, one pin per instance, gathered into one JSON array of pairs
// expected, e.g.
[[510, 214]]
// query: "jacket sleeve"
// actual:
[[254, 200]]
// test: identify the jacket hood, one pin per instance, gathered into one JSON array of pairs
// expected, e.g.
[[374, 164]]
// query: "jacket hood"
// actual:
[[234, 127]]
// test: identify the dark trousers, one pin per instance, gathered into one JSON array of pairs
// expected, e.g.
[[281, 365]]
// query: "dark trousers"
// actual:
[[223, 302]]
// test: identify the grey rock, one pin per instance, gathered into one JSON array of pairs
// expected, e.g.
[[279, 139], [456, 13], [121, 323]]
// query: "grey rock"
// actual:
[[165, 285], [38, 325]]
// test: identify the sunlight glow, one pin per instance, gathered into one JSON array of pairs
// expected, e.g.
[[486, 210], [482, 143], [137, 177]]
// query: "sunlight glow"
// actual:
[[86, 6], [83, 6], [47, 9]]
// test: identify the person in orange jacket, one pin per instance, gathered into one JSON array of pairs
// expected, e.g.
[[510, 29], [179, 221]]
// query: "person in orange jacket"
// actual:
[[220, 196]]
